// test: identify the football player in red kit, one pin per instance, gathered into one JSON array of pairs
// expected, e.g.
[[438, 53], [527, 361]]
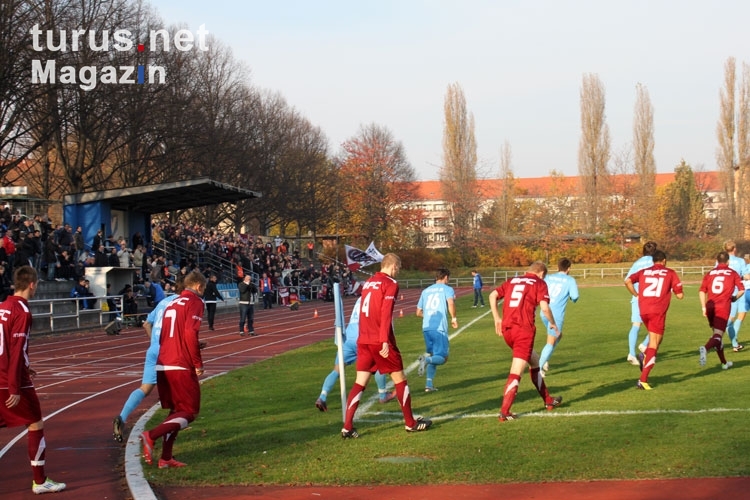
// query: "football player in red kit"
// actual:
[[521, 296], [177, 369], [655, 287], [717, 295]]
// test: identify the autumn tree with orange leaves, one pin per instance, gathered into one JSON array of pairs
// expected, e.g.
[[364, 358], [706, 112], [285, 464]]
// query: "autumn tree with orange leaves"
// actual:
[[375, 188]]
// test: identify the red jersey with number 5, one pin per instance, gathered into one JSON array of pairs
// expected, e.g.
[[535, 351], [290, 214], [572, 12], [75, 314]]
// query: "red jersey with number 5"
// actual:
[[521, 295], [655, 287]]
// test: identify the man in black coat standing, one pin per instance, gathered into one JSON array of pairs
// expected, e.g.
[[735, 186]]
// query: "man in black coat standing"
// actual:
[[210, 297]]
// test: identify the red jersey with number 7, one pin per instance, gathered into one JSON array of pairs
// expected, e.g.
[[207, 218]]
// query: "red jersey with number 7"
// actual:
[[179, 345], [521, 295], [655, 287]]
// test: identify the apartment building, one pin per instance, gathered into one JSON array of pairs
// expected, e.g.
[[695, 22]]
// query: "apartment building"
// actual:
[[437, 221]]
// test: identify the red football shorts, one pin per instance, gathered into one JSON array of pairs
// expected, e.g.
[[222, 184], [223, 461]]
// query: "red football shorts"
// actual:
[[654, 323], [179, 390], [717, 320], [26, 412], [521, 342], [370, 360]]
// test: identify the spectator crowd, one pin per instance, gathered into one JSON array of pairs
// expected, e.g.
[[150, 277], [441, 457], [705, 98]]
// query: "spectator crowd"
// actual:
[[60, 253]]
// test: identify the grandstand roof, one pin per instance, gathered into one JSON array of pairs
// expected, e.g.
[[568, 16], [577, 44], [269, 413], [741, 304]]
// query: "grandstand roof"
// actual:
[[160, 198]]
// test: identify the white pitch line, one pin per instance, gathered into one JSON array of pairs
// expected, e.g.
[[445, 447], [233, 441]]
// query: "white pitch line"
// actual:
[[74, 403], [364, 407], [392, 416], [363, 412]]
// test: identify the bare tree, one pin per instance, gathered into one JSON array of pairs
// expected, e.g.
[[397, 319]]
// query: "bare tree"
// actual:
[[22, 128], [507, 202], [273, 123], [458, 173], [86, 122], [645, 164], [150, 112], [593, 151], [725, 154], [743, 146]]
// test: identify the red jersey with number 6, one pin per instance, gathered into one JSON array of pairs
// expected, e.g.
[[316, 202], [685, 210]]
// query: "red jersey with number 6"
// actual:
[[719, 285], [655, 287], [522, 295]]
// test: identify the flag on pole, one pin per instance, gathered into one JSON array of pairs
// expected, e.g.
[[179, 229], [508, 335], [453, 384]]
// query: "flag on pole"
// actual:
[[356, 258]]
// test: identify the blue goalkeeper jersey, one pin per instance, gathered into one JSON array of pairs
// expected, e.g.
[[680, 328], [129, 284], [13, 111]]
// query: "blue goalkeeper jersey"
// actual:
[[434, 305]]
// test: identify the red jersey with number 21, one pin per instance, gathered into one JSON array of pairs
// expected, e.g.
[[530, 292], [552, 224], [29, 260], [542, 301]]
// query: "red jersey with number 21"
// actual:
[[521, 296], [655, 287]]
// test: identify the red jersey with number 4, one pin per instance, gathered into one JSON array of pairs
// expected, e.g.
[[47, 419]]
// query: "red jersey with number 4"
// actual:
[[655, 287], [718, 285], [521, 295], [178, 344], [376, 310]]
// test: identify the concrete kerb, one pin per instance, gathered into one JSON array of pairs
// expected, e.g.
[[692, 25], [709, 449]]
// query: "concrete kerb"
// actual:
[[137, 483], [141, 489]]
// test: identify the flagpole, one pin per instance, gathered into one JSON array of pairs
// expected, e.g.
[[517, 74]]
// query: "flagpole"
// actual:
[[360, 270], [339, 333]]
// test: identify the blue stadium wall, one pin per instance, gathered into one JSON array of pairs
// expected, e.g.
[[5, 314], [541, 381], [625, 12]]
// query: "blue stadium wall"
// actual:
[[96, 215]]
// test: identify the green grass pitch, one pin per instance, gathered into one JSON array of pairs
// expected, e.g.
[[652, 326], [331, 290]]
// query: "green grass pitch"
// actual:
[[258, 425]]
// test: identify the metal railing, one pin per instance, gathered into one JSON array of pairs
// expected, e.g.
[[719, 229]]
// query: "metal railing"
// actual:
[[57, 315], [67, 314], [224, 268]]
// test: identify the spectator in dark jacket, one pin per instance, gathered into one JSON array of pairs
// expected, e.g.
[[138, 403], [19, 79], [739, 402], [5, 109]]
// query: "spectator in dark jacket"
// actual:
[[65, 237], [98, 240], [50, 257], [81, 291], [79, 244], [100, 257], [25, 249], [6, 287], [248, 297], [210, 297], [112, 258], [66, 268]]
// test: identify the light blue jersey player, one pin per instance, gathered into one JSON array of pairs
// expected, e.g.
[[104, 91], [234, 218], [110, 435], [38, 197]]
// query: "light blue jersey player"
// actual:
[[562, 288], [351, 334], [148, 382], [435, 304], [635, 313], [740, 307]]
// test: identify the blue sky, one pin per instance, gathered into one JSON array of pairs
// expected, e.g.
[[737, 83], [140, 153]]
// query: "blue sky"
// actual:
[[520, 64]]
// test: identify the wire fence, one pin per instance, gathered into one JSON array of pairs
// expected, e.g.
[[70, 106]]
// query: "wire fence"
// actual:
[[598, 275]]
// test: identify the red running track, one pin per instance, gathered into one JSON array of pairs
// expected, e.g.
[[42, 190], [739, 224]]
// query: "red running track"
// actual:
[[84, 378]]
